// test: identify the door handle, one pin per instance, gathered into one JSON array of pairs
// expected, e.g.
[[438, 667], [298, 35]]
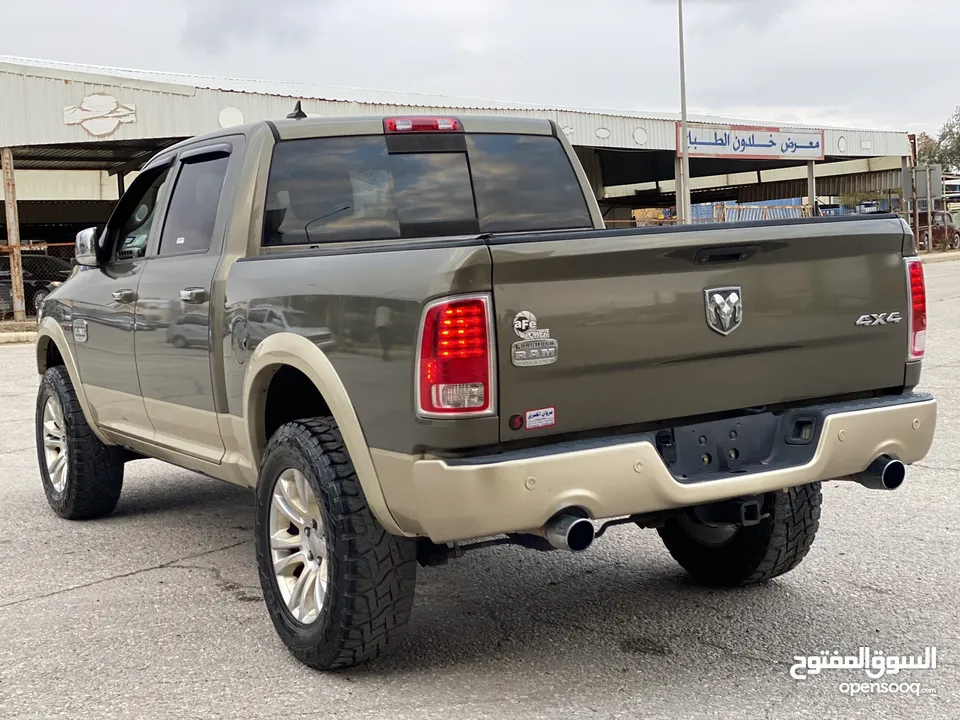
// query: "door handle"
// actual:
[[193, 295], [124, 296]]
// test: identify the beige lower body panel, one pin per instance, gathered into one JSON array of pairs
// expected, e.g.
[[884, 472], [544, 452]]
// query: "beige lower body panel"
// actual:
[[459, 502]]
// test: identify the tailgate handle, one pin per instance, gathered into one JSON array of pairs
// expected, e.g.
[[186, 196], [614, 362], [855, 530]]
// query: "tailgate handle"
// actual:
[[723, 255]]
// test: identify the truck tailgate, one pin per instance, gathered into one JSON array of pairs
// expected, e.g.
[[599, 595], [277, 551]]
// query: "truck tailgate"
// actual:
[[626, 315]]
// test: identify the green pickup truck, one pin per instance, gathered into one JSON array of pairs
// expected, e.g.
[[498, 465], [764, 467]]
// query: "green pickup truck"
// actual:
[[416, 339]]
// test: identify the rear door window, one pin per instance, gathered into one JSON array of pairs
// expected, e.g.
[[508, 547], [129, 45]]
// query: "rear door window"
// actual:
[[192, 214]]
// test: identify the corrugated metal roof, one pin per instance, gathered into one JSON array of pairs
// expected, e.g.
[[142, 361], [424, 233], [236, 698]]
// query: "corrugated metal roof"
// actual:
[[162, 104]]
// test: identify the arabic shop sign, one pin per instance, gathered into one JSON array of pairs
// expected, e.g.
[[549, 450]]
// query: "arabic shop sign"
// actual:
[[754, 143]]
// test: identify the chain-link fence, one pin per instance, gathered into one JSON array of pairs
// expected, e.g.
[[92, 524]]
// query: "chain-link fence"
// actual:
[[45, 266]]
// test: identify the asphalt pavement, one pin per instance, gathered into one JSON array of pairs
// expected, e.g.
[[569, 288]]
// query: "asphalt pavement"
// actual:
[[156, 612]]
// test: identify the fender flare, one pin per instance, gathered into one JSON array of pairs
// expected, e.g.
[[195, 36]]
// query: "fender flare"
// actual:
[[49, 331], [286, 348]]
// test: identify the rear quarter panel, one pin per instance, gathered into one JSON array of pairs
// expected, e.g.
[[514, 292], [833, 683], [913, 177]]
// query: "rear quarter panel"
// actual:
[[340, 288]]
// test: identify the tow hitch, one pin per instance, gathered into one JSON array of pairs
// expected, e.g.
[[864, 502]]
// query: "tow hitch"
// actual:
[[744, 511]]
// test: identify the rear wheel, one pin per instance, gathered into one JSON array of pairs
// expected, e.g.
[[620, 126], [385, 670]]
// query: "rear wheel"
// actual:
[[925, 241], [746, 555], [338, 587], [82, 478], [955, 241]]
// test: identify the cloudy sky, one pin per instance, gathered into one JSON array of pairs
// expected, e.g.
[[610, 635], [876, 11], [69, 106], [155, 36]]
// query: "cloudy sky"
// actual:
[[871, 63]]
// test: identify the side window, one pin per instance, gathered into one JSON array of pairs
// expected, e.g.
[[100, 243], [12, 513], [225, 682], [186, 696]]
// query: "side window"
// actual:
[[192, 212], [132, 229], [257, 316], [274, 319]]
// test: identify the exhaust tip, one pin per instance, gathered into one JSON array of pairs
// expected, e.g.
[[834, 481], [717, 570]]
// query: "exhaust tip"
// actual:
[[569, 532], [892, 475], [884, 473], [580, 535]]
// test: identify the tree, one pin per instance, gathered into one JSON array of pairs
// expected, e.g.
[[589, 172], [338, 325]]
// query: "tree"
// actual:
[[944, 149]]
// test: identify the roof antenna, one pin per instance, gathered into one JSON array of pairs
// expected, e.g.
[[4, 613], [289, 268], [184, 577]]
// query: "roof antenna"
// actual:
[[298, 113]]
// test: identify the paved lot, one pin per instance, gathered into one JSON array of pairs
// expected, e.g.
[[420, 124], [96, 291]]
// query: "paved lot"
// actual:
[[157, 611]]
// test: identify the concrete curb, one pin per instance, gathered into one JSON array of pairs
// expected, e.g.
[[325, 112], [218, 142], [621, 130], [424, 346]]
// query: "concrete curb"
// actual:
[[940, 257], [10, 338]]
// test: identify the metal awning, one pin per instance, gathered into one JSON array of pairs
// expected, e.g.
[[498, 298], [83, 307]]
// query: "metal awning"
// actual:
[[113, 156]]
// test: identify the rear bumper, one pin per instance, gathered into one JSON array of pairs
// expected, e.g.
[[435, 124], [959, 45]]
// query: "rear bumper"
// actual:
[[451, 500]]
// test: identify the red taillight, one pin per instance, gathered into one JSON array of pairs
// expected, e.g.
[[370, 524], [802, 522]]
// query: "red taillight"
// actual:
[[421, 124], [918, 309], [455, 359]]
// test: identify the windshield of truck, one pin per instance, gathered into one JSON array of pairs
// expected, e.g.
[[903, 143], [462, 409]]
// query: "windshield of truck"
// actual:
[[355, 188]]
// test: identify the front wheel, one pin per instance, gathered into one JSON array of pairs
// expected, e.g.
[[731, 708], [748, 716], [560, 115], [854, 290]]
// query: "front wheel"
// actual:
[[338, 587], [82, 478], [746, 555]]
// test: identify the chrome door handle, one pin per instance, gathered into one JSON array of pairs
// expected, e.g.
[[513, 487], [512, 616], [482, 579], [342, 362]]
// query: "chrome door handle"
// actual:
[[124, 296], [193, 295]]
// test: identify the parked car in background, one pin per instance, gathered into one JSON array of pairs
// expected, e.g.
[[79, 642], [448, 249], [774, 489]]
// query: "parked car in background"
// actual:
[[42, 274], [6, 301], [946, 231]]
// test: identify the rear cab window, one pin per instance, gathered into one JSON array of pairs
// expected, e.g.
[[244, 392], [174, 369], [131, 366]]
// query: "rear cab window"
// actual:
[[382, 187]]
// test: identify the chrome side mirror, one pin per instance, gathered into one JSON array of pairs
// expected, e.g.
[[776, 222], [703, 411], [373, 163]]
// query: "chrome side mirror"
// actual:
[[86, 249]]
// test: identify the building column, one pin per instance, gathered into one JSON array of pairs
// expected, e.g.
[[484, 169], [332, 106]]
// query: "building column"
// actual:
[[812, 187], [13, 233], [678, 190]]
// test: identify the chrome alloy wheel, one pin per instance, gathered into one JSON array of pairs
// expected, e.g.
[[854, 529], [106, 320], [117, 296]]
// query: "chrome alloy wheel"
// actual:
[[55, 443], [298, 546]]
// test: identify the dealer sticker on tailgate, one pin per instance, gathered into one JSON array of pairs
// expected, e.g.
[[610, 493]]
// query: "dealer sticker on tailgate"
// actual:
[[544, 417]]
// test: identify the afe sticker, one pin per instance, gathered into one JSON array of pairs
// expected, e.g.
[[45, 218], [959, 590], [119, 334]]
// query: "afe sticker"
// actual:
[[525, 326], [544, 417]]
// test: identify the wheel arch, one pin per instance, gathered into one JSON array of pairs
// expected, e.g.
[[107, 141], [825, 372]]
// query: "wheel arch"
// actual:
[[53, 349], [287, 350]]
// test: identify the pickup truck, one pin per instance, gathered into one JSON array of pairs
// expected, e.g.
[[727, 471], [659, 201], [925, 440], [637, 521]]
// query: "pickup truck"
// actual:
[[464, 357]]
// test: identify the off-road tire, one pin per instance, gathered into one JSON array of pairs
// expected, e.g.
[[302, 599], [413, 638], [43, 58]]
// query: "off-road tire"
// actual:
[[755, 553], [94, 470], [372, 573]]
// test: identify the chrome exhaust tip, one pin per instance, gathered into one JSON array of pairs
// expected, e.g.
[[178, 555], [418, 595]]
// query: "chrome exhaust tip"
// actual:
[[884, 473], [569, 532]]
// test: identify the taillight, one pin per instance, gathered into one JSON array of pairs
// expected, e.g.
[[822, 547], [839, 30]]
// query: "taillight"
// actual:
[[455, 358], [421, 124], [917, 325]]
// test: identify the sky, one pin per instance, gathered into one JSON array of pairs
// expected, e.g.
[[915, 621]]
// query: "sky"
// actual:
[[880, 64]]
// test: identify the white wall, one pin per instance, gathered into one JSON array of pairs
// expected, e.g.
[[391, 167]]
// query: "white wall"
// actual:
[[67, 185]]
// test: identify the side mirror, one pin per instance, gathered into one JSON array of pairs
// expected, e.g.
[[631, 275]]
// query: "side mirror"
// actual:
[[86, 249]]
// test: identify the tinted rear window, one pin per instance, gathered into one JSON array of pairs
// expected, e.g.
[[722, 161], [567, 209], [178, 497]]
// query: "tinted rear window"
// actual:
[[353, 188], [525, 182]]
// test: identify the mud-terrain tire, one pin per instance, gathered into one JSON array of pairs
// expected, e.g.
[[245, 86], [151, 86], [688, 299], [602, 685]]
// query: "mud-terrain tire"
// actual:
[[85, 482], [755, 553], [370, 575]]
